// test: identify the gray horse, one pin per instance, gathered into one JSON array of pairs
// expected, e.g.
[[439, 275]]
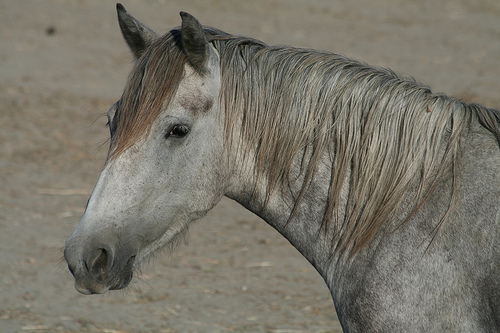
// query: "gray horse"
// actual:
[[390, 191]]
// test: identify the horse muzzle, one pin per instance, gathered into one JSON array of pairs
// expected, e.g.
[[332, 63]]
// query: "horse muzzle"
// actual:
[[99, 266]]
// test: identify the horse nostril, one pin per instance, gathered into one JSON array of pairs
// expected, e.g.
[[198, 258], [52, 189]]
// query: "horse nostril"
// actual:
[[101, 262]]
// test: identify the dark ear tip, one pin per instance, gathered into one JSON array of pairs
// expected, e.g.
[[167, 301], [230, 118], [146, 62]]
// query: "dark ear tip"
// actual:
[[120, 9], [187, 16]]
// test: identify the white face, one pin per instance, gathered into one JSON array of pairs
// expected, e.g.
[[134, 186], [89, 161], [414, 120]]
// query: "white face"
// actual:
[[148, 194], [172, 176]]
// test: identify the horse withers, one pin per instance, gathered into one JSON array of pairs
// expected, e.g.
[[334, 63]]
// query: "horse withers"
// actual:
[[392, 192]]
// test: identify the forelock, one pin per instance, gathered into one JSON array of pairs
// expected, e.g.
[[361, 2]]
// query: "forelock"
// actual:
[[151, 86]]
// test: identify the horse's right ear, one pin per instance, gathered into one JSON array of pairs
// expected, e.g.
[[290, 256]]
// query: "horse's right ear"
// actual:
[[137, 35], [194, 42]]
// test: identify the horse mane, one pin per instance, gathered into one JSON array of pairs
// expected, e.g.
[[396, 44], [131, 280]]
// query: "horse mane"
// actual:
[[385, 134]]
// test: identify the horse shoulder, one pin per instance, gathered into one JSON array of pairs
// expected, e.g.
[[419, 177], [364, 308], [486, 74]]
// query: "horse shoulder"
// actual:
[[408, 280]]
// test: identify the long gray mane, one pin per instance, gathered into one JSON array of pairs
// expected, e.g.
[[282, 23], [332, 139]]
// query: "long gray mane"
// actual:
[[384, 133]]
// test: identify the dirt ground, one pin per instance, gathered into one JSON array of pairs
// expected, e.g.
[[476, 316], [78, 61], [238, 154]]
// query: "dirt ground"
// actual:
[[63, 63]]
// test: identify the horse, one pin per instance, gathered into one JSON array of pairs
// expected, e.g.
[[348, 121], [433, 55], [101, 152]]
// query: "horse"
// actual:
[[391, 191]]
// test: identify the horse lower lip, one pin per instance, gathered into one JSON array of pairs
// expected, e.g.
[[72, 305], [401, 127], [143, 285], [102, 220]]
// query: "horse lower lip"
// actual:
[[101, 289], [90, 291]]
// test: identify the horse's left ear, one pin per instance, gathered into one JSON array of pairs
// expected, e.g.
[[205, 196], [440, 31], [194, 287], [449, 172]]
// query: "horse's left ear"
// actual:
[[194, 42], [137, 35]]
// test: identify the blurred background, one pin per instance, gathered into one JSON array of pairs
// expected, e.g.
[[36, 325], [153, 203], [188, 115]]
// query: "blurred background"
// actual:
[[64, 62]]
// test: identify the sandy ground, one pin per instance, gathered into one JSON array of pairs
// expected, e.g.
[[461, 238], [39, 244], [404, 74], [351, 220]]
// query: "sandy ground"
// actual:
[[63, 63]]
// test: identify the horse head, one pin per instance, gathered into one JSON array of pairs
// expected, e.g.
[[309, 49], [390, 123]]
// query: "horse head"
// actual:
[[164, 164]]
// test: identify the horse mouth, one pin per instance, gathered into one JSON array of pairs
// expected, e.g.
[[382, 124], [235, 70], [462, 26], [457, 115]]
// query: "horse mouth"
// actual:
[[91, 284], [87, 287]]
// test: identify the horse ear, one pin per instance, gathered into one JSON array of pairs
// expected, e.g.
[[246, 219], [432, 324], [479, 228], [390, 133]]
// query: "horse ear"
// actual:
[[194, 42], [137, 35]]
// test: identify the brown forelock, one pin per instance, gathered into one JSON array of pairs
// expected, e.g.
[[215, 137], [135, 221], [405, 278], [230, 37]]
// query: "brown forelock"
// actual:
[[150, 88]]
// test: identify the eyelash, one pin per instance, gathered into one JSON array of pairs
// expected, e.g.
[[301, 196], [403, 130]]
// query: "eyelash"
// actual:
[[178, 131]]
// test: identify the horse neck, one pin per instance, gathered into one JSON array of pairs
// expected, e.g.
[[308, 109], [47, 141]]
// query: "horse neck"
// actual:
[[304, 230]]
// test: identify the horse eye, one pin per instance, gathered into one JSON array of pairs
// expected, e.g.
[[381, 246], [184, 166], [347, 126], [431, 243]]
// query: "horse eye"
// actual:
[[178, 131]]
